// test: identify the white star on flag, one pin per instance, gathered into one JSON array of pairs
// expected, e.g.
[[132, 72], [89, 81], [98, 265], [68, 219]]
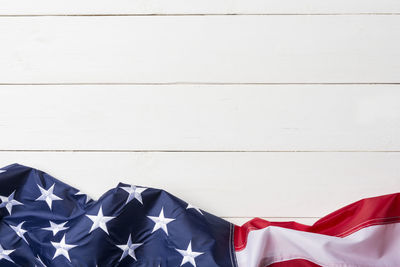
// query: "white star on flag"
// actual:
[[40, 261], [5, 252], [99, 220], [9, 202], [48, 195], [189, 255], [190, 206], [160, 221], [19, 231], [129, 249], [87, 199], [62, 248], [55, 228], [134, 193]]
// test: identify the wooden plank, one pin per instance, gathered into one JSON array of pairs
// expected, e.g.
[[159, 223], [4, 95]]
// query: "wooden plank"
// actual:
[[200, 49], [201, 117], [43, 7], [231, 184]]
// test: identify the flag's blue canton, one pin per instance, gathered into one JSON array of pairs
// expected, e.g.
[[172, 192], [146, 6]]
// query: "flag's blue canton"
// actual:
[[44, 222]]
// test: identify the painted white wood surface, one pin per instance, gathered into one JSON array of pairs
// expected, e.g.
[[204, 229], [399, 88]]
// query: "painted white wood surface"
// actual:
[[201, 117], [211, 104], [231, 184], [44, 7], [200, 49]]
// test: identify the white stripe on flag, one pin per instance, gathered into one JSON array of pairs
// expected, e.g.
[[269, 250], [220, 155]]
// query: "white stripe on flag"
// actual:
[[374, 246]]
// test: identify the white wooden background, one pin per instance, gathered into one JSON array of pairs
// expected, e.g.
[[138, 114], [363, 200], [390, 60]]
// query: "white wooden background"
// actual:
[[279, 109]]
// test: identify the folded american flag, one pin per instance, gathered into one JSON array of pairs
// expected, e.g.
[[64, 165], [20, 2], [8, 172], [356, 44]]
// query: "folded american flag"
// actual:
[[45, 222]]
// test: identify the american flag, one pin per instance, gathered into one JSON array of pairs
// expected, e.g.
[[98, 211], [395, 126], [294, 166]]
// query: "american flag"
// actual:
[[45, 222]]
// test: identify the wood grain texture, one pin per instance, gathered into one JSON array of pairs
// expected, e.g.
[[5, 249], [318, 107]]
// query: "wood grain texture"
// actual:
[[72, 7], [200, 49], [231, 184], [201, 117], [206, 83]]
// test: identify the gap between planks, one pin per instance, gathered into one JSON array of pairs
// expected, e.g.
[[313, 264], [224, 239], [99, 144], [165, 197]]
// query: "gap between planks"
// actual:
[[194, 151], [205, 14], [205, 83]]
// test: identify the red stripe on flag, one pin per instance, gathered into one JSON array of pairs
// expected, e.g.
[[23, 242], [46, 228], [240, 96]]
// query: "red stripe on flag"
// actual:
[[345, 221], [294, 263]]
